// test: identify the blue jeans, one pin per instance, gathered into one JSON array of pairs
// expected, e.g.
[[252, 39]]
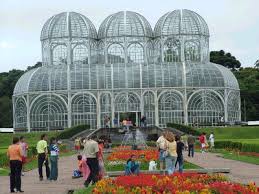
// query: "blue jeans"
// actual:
[[191, 150], [180, 163], [170, 164], [54, 167], [133, 170]]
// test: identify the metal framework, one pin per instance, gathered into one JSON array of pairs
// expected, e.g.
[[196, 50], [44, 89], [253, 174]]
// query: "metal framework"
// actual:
[[126, 67]]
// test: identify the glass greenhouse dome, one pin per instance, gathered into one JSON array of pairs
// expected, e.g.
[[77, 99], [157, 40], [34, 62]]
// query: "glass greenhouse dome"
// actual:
[[126, 69]]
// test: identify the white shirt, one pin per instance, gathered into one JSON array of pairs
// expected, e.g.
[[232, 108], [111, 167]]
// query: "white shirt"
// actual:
[[161, 142], [211, 138]]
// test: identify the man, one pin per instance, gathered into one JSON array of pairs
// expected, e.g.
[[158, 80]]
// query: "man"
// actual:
[[25, 148], [14, 153], [161, 143], [211, 139], [90, 151], [42, 150], [191, 143]]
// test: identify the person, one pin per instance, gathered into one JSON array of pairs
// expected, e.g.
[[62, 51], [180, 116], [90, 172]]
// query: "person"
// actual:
[[171, 152], [90, 151], [124, 124], [132, 167], [161, 148], [143, 121], [100, 159], [107, 121], [83, 168], [42, 150], [115, 122], [180, 147], [184, 140], [191, 143], [202, 142], [77, 145], [25, 148], [54, 152], [14, 153], [211, 139]]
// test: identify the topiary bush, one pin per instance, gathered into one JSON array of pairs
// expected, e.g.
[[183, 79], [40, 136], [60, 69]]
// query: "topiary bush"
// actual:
[[184, 128], [70, 132]]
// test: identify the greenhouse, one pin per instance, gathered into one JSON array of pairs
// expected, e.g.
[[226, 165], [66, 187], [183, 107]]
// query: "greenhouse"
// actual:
[[127, 69]]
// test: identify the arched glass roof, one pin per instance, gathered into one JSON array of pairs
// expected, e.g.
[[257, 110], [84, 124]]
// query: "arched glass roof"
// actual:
[[68, 24], [125, 23], [181, 22]]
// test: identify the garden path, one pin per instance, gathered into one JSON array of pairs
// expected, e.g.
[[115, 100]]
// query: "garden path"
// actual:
[[239, 171], [32, 185]]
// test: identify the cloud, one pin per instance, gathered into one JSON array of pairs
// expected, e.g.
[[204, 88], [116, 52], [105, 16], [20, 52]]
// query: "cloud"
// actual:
[[6, 45]]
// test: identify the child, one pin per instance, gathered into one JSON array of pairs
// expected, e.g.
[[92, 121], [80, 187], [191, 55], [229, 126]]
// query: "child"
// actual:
[[83, 168], [25, 148], [132, 167], [54, 152], [77, 145]]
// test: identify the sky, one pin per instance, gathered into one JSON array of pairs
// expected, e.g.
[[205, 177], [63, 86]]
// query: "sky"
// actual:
[[233, 24]]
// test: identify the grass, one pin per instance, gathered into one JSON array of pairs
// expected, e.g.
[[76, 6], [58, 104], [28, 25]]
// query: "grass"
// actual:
[[233, 132], [249, 141], [145, 165], [33, 164], [87, 190], [234, 156], [31, 138]]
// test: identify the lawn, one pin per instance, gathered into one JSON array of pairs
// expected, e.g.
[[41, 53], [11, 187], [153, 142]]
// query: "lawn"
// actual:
[[31, 138], [235, 156], [235, 132], [144, 166]]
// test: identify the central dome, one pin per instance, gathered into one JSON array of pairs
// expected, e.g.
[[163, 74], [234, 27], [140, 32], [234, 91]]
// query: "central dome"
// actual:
[[125, 23], [181, 22]]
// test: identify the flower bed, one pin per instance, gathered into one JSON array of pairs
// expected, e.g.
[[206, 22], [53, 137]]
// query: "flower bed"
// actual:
[[142, 155], [178, 183]]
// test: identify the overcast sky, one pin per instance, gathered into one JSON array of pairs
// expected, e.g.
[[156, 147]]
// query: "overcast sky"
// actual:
[[233, 24]]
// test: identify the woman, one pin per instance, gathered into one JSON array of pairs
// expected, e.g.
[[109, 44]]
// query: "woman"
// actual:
[[14, 153], [132, 167], [54, 151], [171, 153], [100, 159]]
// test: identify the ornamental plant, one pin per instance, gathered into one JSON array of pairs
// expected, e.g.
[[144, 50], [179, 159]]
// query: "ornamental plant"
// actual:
[[186, 183]]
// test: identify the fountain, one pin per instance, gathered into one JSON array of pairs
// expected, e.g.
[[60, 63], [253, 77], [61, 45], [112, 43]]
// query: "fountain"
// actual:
[[134, 138]]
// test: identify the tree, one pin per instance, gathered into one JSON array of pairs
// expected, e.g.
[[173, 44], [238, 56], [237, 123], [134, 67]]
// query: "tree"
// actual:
[[257, 64], [225, 59], [6, 113]]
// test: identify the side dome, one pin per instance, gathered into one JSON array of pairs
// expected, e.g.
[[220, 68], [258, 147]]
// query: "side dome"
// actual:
[[181, 22], [68, 25], [125, 23]]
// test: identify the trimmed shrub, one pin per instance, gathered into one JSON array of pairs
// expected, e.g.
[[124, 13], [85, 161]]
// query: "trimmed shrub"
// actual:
[[184, 128], [243, 147], [250, 148], [70, 132]]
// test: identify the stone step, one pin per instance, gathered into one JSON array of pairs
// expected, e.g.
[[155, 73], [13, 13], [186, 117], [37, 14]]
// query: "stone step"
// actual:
[[200, 171]]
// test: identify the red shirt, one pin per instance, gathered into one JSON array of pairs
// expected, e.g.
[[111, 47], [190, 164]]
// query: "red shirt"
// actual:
[[202, 139]]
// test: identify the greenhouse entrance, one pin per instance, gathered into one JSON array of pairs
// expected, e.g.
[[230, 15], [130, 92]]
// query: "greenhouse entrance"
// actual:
[[132, 116]]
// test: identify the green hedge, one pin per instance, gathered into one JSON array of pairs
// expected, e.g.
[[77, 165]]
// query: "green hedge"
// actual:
[[70, 132], [184, 128], [243, 147]]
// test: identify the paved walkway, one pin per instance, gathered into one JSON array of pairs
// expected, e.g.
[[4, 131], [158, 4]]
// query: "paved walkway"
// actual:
[[32, 185], [239, 171]]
